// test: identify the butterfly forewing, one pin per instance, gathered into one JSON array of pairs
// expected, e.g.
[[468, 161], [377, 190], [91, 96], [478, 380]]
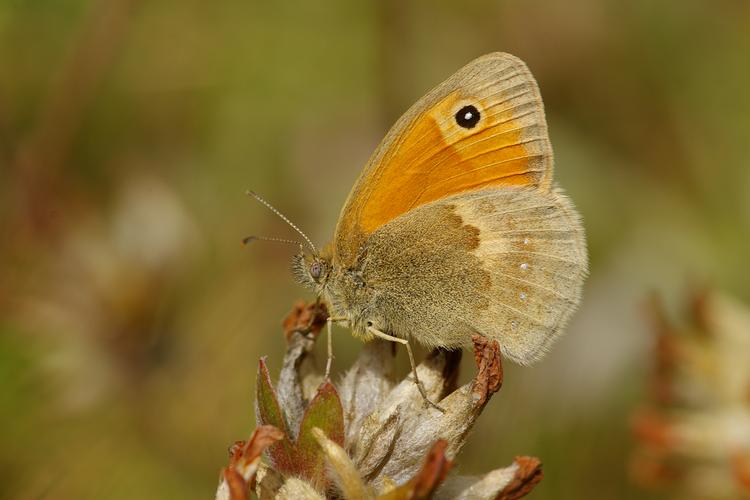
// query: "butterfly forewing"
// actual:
[[482, 127]]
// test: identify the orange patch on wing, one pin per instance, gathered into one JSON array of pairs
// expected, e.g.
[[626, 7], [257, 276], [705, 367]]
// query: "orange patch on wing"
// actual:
[[435, 160]]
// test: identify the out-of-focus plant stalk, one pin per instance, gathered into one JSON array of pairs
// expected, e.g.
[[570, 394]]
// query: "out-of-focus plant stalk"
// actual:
[[693, 433]]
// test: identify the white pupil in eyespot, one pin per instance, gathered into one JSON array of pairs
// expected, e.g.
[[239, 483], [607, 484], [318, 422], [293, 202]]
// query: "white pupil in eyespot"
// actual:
[[468, 115]]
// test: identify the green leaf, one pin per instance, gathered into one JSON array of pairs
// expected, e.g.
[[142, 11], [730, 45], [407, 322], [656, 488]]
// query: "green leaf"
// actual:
[[303, 458], [281, 453], [326, 413]]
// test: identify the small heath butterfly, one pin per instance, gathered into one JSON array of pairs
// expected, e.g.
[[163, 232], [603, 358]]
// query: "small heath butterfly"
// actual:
[[455, 226]]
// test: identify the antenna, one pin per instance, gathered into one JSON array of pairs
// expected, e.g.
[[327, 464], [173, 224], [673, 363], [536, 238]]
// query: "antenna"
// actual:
[[283, 217], [250, 239]]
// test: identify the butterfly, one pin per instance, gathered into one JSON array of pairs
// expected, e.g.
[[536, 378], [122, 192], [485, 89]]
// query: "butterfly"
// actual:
[[455, 226]]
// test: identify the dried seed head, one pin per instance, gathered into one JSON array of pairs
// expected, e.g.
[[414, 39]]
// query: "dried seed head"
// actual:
[[371, 436]]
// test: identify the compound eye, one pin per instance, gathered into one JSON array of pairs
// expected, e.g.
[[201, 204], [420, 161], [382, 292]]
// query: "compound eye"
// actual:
[[316, 269]]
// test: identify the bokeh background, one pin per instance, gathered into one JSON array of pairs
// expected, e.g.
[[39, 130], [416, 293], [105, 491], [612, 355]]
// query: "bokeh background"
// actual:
[[131, 316]]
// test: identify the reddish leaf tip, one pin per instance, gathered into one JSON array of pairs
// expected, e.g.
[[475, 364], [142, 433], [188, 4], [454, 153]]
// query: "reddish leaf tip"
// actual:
[[433, 472], [236, 484], [305, 318], [527, 476], [489, 376]]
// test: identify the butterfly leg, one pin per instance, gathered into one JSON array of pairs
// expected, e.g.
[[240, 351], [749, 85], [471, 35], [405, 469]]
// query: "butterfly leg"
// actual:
[[405, 342], [329, 361]]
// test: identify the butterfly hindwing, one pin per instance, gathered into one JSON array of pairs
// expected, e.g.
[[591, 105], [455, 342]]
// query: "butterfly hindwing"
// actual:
[[507, 263]]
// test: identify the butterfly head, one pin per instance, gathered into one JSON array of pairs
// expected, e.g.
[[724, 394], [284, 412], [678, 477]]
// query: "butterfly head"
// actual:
[[311, 270]]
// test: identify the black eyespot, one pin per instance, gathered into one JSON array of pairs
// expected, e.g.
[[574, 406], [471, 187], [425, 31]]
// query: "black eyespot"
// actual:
[[316, 270], [468, 116]]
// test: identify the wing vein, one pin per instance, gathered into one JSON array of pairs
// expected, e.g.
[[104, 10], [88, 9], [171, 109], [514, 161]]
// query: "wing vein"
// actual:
[[466, 146], [541, 254], [535, 285], [419, 139]]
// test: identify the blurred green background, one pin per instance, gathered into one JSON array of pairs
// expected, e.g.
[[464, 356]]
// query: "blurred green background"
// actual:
[[132, 318]]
